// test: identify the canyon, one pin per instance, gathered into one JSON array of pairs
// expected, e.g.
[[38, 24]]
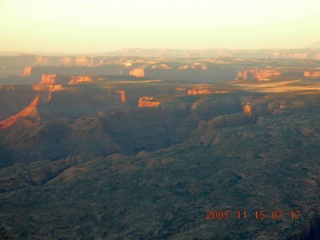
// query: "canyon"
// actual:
[[111, 147]]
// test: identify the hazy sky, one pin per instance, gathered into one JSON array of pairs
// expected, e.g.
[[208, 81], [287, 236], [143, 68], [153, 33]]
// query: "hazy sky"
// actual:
[[72, 26]]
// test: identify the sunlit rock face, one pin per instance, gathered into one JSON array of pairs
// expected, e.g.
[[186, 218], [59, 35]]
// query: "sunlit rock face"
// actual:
[[123, 95], [47, 87], [41, 60], [258, 74], [312, 74], [247, 110], [270, 74], [198, 91], [52, 79], [147, 102], [80, 79], [29, 112], [84, 61], [27, 71], [137, 72], [48, 79]]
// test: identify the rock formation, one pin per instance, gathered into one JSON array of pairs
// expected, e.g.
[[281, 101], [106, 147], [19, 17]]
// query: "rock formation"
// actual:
[[137, 72], [183, 89], [123, 95], [47, 87], [49, 79], [247, 110], [41, 60], [29, 112], [147, 102], [311, 74], [52, 79], [198, 91], [27, 71], [83, 61], [258, 74], [80, 79]]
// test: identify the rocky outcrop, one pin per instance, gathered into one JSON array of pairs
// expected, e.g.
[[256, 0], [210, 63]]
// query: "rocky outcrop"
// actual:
[[311, 74], [80, 79], [123, 95], [47, 87], [41, 60], [108, 69], [198, 91], [258, 74], [188, 73], [84, 61], [27, 71], [247, 110], [269, 74], [137, 72], [52, 79], [147, 102], [183, 89], [49, 79], [29, 112]]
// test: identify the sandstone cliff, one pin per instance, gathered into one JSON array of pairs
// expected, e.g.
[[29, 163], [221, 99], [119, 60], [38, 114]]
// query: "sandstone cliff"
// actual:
[[188, 73], [27, 71], [47, 87], [198, 91], [123, 95], [137, 72], [312, 74], [52, 79], [247, 110], [269, 74], [29, 112], [148, 102], [258, 74], [80, 79]]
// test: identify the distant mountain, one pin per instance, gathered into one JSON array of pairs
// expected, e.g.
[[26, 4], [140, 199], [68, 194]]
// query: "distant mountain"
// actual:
[[314, 45]]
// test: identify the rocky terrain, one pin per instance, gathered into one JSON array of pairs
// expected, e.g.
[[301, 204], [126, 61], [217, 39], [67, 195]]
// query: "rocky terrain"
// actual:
[[98, 156], [204, 68]]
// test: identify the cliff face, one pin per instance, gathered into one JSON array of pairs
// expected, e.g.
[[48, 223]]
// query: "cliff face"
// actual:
[[108, 69], [247, 110], [80, 79], [14, 99], [192, 73], [198, 91], [49, 79], [147, 102], [47, 87], [123, 95], [52, 79], [30, 112], [27, 71], [269, 74], [311, 74], [137, 72], [258, 74]]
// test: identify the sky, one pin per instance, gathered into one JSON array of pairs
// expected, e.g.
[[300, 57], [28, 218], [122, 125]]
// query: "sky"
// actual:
[[91, 26]]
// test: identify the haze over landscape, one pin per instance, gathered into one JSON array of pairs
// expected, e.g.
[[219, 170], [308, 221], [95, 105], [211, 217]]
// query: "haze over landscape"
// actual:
[[160, 120], [67, 26]]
